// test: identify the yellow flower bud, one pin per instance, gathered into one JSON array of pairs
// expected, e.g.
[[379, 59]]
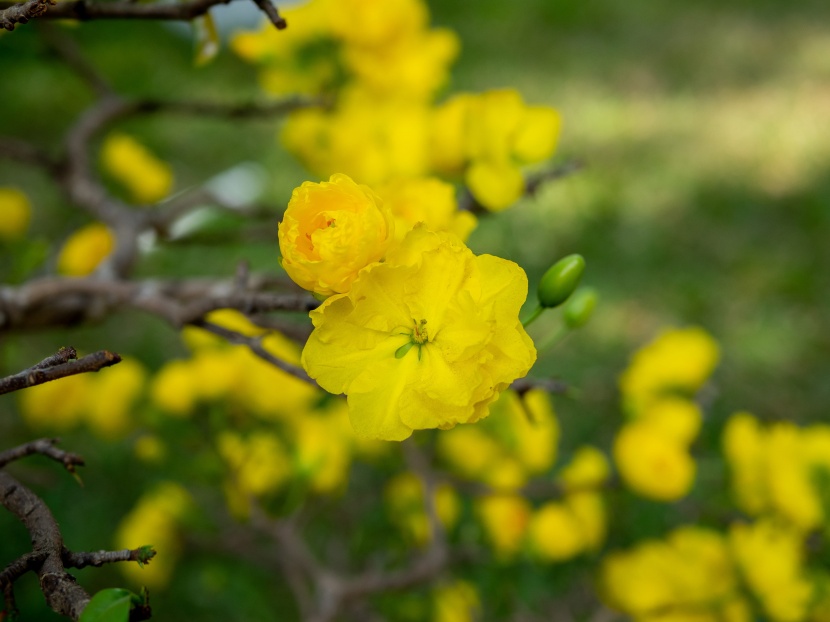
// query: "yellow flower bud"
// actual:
[[330, 231], [85, 249], [16, 213]]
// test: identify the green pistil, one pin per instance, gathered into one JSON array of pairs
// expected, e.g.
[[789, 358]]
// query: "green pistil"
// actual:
[[418, 337]]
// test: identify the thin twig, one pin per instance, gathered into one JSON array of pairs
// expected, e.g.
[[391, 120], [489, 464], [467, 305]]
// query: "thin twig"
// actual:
[[68, 50], [271, 13], [99, 558], [32, 377], [45, 447]]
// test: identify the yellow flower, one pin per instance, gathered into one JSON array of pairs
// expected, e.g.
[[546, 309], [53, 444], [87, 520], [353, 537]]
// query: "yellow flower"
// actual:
[[428, 200], [113, 395], [653, 464], [587, 469], [155, 520], [16, 213], [146, 177], [675, 417], [689, 574], [85, 249], [456, 602], [769, 556], [372, 23], [426, 340], [589, 510], [174, 388], [370, 140], [505, 520], [330, 231], [56, 405], [555, 533], [258, 465], [404, 498], [678, 360], [410, 68], [322, 452]]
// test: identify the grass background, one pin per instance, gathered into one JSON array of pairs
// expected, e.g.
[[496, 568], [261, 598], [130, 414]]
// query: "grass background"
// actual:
[[705, 129]]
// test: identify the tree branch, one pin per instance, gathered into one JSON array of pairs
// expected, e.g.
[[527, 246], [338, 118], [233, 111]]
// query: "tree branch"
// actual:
[[271, 13], [38, 375], [98, 558], [84, 10], [45, 447], [23, 12]]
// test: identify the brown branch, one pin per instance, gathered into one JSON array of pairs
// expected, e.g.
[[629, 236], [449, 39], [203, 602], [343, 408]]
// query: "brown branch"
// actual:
[[84, 10], [45, 447], [271, 13], [56, 301], [255, 345], [99, 558], [23, 12], [26, 153], [61, 591], [551, 385], [35, 376]]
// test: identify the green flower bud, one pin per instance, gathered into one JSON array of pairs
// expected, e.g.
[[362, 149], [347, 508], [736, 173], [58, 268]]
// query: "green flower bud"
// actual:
[[580, 307], [560, 281]]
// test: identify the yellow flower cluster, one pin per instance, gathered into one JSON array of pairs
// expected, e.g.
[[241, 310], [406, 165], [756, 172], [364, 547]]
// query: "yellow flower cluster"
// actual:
[[85, 249], [427, 339], [699, 574], [781, 470], [104, 401], [689, 575], [652, 450], [384, 48], [517, 442], [299, 439], [146, 178], [16, 213], [385, 65], [456, 602], [487, 138], [155, 520]]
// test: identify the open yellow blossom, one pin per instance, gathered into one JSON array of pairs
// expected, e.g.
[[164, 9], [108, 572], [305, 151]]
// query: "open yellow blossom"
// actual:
[[427, 339], [330, 231], [85, 249], [16, 213], [146, 177]]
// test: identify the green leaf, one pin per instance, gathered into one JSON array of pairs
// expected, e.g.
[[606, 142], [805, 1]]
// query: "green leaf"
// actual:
[[207, 39], [111, 605]]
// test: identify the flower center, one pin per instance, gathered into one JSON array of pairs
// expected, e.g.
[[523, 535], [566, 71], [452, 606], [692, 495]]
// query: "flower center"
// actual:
[[418, 337]]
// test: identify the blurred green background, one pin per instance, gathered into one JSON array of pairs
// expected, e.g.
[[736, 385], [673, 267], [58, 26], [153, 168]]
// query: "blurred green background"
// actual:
[[705, 131]]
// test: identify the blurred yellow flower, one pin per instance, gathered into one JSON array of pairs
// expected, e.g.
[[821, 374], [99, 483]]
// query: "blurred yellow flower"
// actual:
[[369, 23], [687, 576], [770, 556], [675, 417], [505, 519], [150, 448], [16, 213], [427, 339], [85, 249], [587, 469], [56, 405], [330, 231], [555, 533], [155, 520], [322, 452], [404, 498], [456, 602], [147, 178], [174, 388], [112, 397], [428, 200], [677, 360], [652, 464]]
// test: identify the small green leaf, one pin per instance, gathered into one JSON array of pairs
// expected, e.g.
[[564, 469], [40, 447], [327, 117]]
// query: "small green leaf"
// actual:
[[207, 39], [111, 605]]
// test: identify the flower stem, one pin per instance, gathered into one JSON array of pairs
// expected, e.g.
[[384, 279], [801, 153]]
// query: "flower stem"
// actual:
[[536, 313]]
